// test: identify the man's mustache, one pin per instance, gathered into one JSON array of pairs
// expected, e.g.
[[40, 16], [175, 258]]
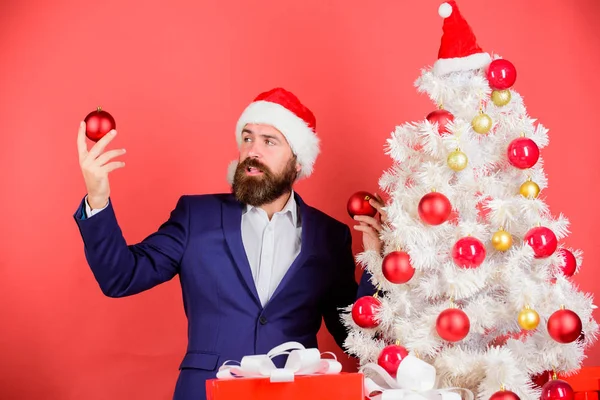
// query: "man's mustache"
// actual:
[[254, 163]]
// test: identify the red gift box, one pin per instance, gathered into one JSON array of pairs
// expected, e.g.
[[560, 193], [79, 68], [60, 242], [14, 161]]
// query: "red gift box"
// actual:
[[342, 386]]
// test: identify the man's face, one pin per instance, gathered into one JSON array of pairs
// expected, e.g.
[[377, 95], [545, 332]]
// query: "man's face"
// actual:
[[267, 167]]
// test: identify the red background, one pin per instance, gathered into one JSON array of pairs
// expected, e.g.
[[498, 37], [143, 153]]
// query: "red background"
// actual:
[[176, 75]]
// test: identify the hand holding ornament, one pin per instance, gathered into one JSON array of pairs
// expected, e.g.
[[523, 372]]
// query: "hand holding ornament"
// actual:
[[370, 226], [95, 166]]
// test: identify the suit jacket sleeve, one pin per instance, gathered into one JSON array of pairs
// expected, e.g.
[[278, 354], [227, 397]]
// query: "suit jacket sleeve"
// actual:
[[121, 269], [365, 288], [344, 290]]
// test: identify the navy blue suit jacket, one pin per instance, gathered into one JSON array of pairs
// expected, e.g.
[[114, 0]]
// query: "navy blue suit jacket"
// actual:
[[201, 242]]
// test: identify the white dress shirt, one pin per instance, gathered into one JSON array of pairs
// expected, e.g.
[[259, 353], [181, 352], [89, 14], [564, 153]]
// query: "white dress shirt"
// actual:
[[88, 210], [271, 245]]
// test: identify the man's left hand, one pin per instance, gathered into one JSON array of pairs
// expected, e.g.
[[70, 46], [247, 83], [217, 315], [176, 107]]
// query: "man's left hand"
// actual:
[[371, 227]]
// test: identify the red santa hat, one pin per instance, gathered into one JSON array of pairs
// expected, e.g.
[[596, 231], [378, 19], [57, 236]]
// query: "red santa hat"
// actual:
[[459, 50], [284, 111]]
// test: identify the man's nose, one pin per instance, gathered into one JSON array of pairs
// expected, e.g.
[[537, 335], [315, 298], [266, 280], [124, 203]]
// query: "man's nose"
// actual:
[[254, 150]]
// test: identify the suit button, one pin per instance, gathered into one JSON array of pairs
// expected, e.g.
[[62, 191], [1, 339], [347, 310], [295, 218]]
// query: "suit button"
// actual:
[[262, 320]]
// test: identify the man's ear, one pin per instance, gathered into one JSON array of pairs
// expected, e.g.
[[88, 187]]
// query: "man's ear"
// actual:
[[298, 167]]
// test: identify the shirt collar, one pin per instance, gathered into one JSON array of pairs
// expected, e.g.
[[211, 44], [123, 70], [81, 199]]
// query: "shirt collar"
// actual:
[[290, 209]]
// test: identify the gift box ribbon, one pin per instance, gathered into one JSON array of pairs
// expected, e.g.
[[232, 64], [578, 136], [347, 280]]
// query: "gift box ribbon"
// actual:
[[300, 361], [415, 380]]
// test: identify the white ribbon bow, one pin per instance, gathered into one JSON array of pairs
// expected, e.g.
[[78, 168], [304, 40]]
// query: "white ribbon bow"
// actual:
[[301, 361], [415, 380]]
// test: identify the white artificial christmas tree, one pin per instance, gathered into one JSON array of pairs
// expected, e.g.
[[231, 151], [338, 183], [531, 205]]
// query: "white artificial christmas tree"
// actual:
[[474, 279]]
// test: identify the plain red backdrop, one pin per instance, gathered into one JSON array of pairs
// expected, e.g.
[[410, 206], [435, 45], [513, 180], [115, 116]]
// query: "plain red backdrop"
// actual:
[[176, 75]]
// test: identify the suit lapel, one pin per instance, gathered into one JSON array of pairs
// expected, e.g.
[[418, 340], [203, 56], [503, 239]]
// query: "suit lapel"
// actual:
[[308, 236], [232, 228]]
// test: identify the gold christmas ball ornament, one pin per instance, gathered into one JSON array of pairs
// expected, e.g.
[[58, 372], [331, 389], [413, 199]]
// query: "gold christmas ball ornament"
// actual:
[[502, 240], [529, 319], [457, 160], [482, 123], [501, 97], [529, 189]]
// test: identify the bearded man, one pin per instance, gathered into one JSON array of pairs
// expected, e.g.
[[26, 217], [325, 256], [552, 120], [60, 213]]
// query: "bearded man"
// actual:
[[258, 266]]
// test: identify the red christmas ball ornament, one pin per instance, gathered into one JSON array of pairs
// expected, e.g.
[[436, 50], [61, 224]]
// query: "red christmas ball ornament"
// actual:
[[442, 117], [504, 395], [358, 204], [396, 267], [501, 74], [557, 389], [364, 311], [564, 326], [541, 379], [452, 325], [391, 357], [523, 153], [98, 123], [468, 252], [542, 240], [569, 266], [434, 208]]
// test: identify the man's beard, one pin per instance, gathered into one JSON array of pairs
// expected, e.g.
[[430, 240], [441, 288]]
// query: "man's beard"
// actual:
[[265, 188]]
